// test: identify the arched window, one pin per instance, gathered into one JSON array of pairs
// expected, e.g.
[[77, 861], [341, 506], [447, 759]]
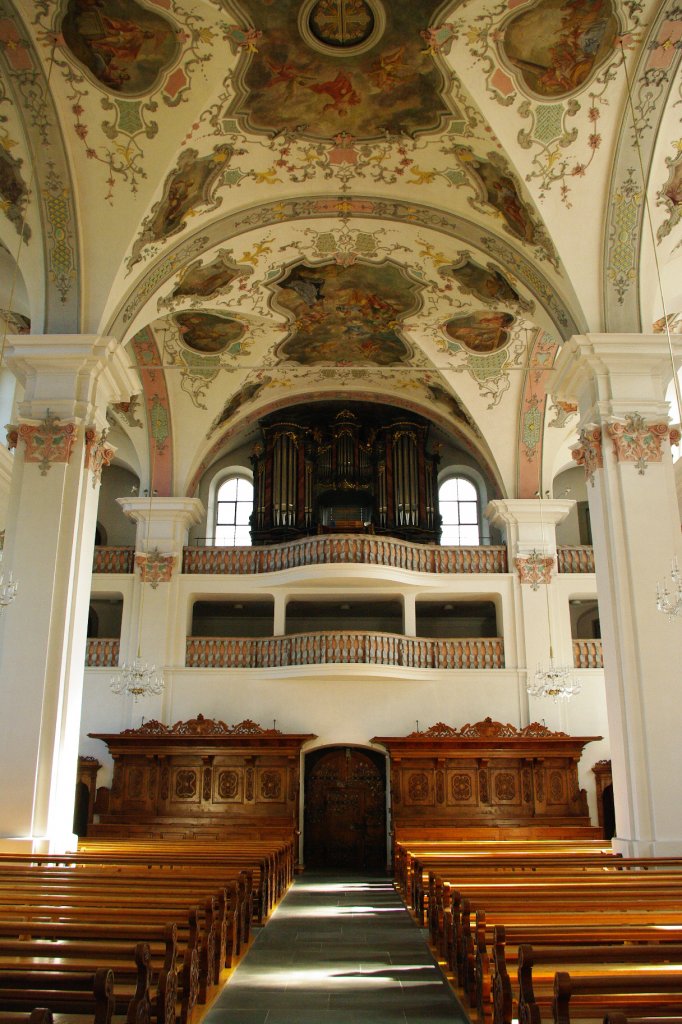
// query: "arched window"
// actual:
[[234, 504], [458, 503]]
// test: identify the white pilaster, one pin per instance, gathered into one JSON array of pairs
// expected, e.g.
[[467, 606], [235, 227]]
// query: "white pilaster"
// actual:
[[68, 382], [619, 382], [162, 529], [529, 528]]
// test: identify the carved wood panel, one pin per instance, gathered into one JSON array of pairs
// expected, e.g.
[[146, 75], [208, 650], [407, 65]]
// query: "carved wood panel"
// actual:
[[493, 774]]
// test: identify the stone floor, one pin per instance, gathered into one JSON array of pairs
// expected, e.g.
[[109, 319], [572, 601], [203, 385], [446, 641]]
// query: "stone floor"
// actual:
[[338, 950]]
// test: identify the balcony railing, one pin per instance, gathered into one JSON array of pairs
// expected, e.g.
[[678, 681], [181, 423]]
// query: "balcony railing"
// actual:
[[113, 559], [575, 559], [344, 649], [102, 652], [345, 549], [587, 654]]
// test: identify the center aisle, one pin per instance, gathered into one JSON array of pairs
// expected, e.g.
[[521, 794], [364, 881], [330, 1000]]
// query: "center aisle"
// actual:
[[338, 950]]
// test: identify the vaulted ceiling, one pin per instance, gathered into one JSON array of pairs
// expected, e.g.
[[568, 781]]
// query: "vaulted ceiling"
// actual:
[[290, 200]]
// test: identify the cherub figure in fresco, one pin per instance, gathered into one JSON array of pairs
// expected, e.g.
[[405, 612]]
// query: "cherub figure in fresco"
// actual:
[[387, 71], [341, 92], [291, 76]]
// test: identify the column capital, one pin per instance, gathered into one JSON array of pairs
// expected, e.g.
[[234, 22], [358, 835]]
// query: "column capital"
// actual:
[[528, 511], [162, 523], [73, 376], [616, 375], [529, 526]]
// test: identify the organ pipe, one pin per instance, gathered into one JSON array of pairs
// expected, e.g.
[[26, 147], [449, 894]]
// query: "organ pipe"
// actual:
[[316, 473]]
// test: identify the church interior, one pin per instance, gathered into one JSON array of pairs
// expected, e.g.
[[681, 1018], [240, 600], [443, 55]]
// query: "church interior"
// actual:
[[340, 375]]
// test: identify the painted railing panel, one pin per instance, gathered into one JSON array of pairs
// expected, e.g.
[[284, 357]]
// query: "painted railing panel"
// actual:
[[588, 654], [344, 649], [113, 559], [102, 652], [575, 559], [345, 548]]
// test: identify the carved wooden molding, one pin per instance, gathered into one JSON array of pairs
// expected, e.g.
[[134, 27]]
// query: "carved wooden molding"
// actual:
[[637, 441], [201, 726], [155, 568], [487, 728], [534, 569], [588, 452]]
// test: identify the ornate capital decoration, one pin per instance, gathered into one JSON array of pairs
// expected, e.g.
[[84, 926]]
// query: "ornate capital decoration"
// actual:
[[588, 451], [12, 436], [98, 453], [155, 568], [674, 436], [637, 441], [47, 442], [534, 569]]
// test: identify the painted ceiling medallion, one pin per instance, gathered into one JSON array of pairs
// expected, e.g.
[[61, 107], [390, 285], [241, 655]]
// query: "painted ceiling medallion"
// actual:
[[207, 333], [341, 27], [557, 45], [481, 332], [347, 315], [125, 46], [332, 66]]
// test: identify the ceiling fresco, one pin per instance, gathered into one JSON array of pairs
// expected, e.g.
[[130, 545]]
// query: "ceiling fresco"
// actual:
[[271, 199], [125, 46], [346, 314], [336, 66], [556, 45]]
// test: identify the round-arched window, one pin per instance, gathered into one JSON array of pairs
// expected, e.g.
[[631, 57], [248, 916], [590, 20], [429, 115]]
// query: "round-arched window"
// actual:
[[234, 504], [458, 504]]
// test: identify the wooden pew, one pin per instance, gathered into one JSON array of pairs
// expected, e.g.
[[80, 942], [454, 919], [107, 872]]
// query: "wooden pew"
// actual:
[[89, 993], [591, 996], [538, 969]]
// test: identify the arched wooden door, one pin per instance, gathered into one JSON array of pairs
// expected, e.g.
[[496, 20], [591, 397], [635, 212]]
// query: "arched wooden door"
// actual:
[[345, 809]]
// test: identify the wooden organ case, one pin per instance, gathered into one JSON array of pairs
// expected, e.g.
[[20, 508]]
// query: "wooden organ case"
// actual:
[[200, 778], [486, 774], [346, 472]]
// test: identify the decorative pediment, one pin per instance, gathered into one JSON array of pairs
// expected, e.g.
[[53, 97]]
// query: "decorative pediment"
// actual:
[[200, 726], [487, 729]]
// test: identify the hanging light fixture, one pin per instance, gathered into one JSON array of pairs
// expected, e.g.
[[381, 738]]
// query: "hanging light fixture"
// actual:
[[670, 601], [137, 679]]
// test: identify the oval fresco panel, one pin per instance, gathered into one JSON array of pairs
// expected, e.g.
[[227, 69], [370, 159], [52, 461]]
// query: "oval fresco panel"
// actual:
[[206, 333], [481, 332], [558, 44], [347, 315], [123, 44]]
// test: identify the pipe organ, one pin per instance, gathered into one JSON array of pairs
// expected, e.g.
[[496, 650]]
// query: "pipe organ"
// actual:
[[353, 471]]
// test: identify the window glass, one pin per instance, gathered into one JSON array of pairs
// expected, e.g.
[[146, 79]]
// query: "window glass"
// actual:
[[458, 502], [234, 504]]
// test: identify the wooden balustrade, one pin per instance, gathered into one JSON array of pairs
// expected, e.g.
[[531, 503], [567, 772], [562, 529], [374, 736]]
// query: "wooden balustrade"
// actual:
[[345, 548], [588, 654], [344, 649], [113, 559], [575, 559], [102, 652]]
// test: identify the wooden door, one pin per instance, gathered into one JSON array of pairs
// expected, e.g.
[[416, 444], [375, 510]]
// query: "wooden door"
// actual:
[[345, 809]]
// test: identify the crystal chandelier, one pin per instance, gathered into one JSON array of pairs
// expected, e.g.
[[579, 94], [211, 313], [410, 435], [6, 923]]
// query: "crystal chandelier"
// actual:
[[9, 587], [137, 679], [670, 601], [555, 681]]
